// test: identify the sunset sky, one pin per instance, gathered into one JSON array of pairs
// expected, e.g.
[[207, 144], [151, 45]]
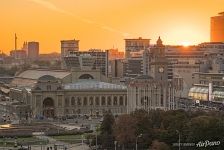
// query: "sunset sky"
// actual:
[[104, 23]]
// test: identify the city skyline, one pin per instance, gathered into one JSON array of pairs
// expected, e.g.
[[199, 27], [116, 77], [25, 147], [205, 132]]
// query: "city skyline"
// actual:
[[49, 21]]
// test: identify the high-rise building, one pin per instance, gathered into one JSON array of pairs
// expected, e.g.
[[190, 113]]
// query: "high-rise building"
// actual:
[[33, 50], [217, 28], [135, 45], [87, 60], [66, 46], [115, 54]]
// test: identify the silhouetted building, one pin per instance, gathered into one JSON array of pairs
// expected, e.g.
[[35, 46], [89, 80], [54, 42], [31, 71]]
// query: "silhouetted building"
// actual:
[[33, 50], [18, 54], [217, 28]]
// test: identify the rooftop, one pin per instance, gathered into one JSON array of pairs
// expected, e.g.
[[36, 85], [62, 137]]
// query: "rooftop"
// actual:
[[36, 74], [93, 85]]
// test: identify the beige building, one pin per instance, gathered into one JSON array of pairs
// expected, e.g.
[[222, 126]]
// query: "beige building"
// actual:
[[153, 91], [58, 93]]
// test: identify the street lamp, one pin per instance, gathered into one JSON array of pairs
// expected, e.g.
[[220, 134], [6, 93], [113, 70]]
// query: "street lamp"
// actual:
[[178, 138], [136, 142], [115, 145]]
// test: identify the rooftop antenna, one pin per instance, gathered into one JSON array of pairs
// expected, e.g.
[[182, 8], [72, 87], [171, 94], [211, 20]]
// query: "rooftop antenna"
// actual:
[[15, 42]]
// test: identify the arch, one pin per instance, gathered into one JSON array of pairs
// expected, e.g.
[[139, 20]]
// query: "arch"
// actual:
[[103, 101], [97, 101], [86, 76], [73, 101], [121, 101], [85, 101], [91, 100], [48, 107], [115, 100]]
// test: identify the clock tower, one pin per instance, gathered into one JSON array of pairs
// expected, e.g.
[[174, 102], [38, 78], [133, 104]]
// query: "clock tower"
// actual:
[[158, 64]]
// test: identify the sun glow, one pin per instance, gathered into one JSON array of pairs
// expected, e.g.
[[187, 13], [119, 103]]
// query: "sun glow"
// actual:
[[186, 44]]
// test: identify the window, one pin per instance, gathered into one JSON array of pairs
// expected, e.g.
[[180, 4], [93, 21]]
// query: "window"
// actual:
[[103, 100], [91, 101], [121, 101], [73, 101], [115, 100], [97, 101], [85, 101]]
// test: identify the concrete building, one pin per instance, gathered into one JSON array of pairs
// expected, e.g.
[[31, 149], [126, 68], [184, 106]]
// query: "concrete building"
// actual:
[[137, 64], [153, 91], [117, 68], [66, 46], [33, 51], [115, 54], [135, 45], [183, 61], [59, 93], [217, 28], [92, 59]]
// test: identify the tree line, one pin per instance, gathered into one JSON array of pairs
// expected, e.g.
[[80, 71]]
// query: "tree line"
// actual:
[[162, 130]]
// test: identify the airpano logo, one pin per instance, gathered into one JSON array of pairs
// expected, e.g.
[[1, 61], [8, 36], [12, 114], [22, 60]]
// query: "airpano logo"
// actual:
[[208, 143]]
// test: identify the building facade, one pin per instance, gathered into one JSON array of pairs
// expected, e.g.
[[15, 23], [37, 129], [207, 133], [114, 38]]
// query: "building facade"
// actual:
[[153, 91], [217, 28], [91, 60], [66, 46], [56, 93], [135, 45], [33, 50]]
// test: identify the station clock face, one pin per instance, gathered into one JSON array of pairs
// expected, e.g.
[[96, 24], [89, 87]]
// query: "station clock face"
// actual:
[[161, 69]]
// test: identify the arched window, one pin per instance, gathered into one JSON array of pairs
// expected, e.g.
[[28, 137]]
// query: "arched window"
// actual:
[[115, 100], [91, 101], [121, 101], [103, 101], [86, 76], [85, 101], [97, 101], [109, 100], [73, 101]]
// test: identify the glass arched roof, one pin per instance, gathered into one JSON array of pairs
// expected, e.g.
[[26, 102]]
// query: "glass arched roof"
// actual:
[[93, 85]]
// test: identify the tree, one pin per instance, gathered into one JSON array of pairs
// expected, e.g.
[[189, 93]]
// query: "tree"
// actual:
[[156, 145], [125, 130], [107, 124], [106, 128]]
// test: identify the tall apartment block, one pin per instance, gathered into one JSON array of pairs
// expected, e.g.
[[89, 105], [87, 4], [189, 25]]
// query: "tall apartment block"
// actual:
[[66, 46], [33, 50], [217, 28]]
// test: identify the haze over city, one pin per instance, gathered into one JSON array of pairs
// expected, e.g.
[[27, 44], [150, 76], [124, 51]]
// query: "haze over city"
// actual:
[[104, 24]]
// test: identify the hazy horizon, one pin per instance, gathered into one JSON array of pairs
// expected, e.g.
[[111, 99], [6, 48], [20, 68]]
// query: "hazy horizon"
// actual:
[[105, 24]]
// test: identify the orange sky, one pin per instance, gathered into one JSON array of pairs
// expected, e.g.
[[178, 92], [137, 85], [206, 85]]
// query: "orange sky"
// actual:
[[104, 23]]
